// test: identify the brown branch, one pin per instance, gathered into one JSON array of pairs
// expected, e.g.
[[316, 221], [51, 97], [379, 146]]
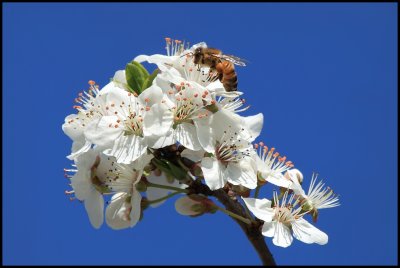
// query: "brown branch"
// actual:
[[252, 231]]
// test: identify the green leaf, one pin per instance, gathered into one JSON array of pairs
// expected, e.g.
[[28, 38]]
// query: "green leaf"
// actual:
[[136, 75], [161, 165], [149, 80], [176, 171]]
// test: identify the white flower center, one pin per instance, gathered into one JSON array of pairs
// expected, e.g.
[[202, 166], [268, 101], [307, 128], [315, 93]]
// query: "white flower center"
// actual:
[[286, 211], [130, 119], [231, 148], [272, 160], [188, 106], [232, 104], [117, 177], [320, 197], [89, 106], [134, 125]]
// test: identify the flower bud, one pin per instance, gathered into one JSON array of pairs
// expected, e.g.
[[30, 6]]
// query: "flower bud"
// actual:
[[141, 186], [194, 205], [295, 174]]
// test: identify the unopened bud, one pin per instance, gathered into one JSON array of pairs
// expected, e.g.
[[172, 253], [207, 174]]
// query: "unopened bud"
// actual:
[[294, 174], [198, 208], [196, 171], [141, 186]]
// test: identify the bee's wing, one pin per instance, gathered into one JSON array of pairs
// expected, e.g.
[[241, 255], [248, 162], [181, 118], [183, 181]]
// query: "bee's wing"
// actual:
[[234, 59]]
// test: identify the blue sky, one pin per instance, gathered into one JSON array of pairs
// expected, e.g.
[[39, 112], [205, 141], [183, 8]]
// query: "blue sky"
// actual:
[[323, 75]]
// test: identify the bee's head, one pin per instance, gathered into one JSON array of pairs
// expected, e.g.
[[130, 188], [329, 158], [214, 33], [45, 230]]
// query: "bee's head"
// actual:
[[198, 52]]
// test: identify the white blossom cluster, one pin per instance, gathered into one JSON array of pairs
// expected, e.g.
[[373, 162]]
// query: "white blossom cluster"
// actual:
[[117, 129]]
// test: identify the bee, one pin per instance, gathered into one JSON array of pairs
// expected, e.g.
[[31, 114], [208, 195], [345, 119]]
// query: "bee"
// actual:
[[224, 65]]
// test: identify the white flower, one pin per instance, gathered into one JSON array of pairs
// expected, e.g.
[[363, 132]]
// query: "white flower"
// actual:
[[124, 209], [89, 109], [98, 174], [232, 154], [87, 186], [121, 129], [185, 106], [317, 197], [271, 166], [119, 80], [284, 220]]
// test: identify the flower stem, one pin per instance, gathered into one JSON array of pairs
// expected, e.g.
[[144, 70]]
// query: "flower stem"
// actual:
[[155, 185], [233, 215], [162, 198], [258, 188]]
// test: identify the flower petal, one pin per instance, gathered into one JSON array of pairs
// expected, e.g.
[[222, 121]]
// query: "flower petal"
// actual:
[[79, 149], [277, 179], [204, 134], [158, 59], [195, 156], [157, 121], [243, 173], [127, 149], [94, 205], [261, 208], [187, 136], [283, 237], [81, 184], [213, 173], [253, 124], [293, 176], [151, 96], [103, 132], [72, 127], [160, 142], [307, 233], [117, 211], [268, 229], [136, 199]]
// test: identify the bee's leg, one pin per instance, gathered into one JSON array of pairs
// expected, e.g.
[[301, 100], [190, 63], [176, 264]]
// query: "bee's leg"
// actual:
[[198, 67]]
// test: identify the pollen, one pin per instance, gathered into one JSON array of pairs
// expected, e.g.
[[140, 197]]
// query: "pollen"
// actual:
[[91, 82]]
